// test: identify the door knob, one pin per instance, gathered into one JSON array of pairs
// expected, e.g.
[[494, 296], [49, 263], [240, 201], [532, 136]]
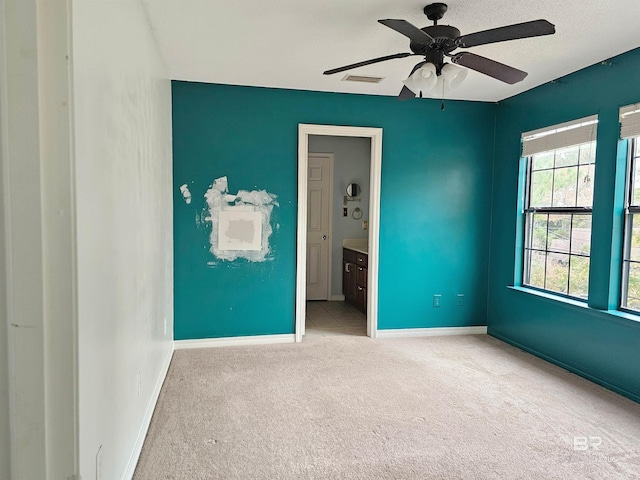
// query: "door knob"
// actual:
[[324, 237]]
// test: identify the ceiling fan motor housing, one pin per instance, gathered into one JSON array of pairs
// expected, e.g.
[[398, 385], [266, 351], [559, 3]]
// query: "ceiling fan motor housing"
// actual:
[[444, 36]]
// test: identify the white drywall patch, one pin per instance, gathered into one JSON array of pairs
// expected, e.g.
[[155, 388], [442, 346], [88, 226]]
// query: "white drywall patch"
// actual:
[[184, 190], [239, 229], [240, 224]]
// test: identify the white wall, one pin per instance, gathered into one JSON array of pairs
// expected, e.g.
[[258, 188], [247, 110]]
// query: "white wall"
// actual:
[[5, 455], [38, 235], [124, 222], [5, 452], [5, 461], [21, 187], [351, 164]]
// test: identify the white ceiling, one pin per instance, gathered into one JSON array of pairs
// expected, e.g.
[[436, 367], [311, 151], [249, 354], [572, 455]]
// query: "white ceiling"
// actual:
[[289, 43]]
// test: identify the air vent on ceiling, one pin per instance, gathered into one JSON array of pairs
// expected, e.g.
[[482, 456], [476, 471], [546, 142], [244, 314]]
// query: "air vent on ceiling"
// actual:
[[362, 78]]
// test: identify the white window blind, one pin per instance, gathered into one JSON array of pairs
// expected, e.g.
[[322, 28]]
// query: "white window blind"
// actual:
[[630, 121], [567, 134]]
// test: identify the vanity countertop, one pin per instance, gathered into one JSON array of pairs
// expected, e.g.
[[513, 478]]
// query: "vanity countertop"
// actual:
[[360, 245]]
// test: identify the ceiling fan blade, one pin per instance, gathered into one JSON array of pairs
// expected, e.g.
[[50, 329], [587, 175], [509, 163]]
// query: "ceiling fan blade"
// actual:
[[489, 67], [406, 93], [367, 62], [534, 28], [408, 30]]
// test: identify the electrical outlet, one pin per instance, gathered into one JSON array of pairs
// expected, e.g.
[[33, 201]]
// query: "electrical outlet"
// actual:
[[460, 301], [436, 301]]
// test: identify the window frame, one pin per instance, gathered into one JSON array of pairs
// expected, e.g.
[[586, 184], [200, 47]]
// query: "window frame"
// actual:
[[529, 213], [629, 211]]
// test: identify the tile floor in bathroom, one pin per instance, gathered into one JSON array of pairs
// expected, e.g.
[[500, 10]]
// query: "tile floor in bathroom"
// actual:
[[329, 319]]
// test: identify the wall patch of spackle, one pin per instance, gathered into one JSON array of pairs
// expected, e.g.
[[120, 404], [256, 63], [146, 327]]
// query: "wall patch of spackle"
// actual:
[[240, 224], [184, 190]]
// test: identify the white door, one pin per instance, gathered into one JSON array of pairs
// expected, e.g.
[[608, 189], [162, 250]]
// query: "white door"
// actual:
[[318, 226]]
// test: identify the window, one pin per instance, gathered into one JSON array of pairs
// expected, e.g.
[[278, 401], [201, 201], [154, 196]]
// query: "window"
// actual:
[[630, 129], [560, 165]]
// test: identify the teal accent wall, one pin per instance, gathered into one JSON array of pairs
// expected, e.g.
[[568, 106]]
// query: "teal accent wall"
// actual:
[[435, 205], [587, 339]]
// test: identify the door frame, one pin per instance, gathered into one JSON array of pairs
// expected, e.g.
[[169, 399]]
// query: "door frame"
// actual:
[[330, 157], [39, 265], [375, 173]]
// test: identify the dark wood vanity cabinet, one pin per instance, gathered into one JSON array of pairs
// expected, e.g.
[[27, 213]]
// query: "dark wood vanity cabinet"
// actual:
[[349, 275], [354, 278]]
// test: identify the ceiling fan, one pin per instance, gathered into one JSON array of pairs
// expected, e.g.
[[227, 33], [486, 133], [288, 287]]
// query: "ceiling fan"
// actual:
[[436, 42]]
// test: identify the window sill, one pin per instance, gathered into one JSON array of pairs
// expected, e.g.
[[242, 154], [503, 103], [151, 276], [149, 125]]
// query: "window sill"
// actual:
[[621, 316], [551, 296], [627, 315]]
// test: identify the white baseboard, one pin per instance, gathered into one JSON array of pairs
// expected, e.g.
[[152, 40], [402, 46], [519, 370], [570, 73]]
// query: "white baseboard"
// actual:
[[234, 341], [430, 332], [146, 421], [336, 298]]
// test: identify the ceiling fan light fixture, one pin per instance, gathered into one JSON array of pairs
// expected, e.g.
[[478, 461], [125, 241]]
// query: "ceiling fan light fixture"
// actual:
[[453, 75], [423, 79]]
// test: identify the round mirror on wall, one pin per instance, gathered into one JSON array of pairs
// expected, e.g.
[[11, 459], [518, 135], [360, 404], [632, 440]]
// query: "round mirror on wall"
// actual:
[[353, 190]]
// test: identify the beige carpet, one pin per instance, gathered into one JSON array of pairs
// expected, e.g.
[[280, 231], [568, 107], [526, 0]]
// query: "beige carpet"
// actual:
[[468, 407]]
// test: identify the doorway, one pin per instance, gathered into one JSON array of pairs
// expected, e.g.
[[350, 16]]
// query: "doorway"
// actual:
[[375, 136]]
